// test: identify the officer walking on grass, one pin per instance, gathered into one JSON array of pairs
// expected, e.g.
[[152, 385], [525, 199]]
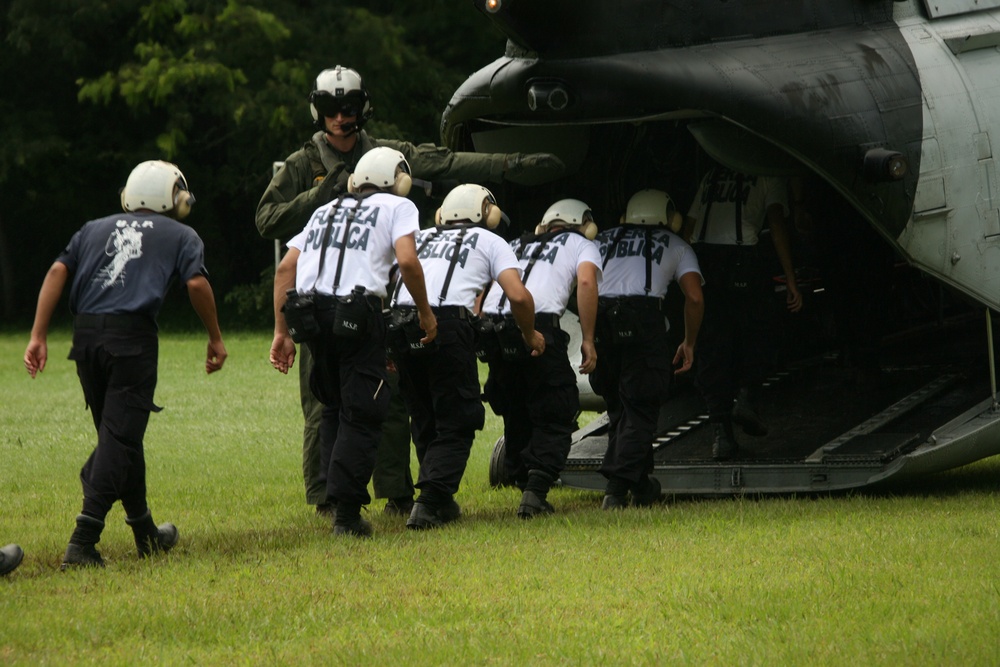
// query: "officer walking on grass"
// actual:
[[337, 269], [440, 384], [640, 260], [315, 175], [537, 396], [121, 267]]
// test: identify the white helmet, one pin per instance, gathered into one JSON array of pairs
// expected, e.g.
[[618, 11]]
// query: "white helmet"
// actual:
[[383, 167], [652, 207], [571, 213], [157, 186], [470, 202], [340, 90]]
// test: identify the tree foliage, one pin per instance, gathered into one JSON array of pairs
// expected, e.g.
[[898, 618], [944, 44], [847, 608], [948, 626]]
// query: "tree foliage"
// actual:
[[218, 86]]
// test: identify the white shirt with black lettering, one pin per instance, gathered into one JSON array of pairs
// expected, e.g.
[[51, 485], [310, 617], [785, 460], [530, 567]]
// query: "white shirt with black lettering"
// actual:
[[625, 269], [553, 272], [755, 196], [482, 256], [379, 221]]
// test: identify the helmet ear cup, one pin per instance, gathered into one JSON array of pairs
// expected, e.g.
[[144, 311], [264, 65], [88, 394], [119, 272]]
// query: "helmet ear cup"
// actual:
[[541, 229], [437, 217], [589, 230], [494, 216], [676, 222], [402, 185], [182, 204], [350, 184]]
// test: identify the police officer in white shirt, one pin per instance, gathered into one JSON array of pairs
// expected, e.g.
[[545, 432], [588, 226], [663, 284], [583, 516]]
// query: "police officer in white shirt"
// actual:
[[338, 269], [640, 259], [724, 225], [538, 396], [440, 382]]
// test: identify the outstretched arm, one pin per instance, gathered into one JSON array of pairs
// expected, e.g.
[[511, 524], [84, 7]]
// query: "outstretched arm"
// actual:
[[203, 299], [37, 352]]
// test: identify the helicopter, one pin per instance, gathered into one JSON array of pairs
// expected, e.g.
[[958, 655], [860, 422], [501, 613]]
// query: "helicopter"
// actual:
[[884, 110]]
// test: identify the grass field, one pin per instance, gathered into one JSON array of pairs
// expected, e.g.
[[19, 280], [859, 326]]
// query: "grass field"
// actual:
[[902, 577]]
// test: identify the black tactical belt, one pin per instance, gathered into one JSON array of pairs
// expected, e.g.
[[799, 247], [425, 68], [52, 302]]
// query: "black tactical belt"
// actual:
[[542, 320], [442, 312], [325, 301], [642, 302], [107, 321], [546, 320], [451, 312]]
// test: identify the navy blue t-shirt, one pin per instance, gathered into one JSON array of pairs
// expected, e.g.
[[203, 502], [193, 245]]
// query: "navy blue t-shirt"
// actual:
[[124, 264]]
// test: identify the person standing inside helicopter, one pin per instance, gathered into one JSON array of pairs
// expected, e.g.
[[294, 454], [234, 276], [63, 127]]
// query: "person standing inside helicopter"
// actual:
[[640, 258], [724, 225], [460, 256]]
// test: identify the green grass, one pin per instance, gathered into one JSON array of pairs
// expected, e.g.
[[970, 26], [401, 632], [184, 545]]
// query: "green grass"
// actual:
[[907, 577]]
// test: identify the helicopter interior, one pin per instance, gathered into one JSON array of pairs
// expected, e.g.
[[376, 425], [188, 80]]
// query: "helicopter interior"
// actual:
[[880, 356]]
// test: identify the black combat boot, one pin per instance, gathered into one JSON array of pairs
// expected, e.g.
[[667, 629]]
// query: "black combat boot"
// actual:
[[81, 552], [646, 492], [432, 513], [349, 523], [746, 412], [724, 447], [401, 506], [10, 558], [533, 500], [150, 538], [327, 510], [615, 494]]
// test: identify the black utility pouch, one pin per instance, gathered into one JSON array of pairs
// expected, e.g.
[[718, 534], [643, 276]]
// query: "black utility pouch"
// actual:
[[404, 333], [744, 268], [350, 318], [414, 333], [395, 338], [623, 324], [487, 343], [300, 316], [740, 273], [512, 345]]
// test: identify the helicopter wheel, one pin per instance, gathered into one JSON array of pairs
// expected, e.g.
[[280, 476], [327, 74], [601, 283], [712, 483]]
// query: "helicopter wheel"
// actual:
[[499, 475]]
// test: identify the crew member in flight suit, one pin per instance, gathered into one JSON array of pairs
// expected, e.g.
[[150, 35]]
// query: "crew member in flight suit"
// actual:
[[341, 261], [538, 396], [640, 259], [460, 257], [121, 267], [316, 174], [723, 225]]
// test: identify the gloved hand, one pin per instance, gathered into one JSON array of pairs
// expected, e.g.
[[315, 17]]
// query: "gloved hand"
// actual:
[[329, 189], [532, 168]]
